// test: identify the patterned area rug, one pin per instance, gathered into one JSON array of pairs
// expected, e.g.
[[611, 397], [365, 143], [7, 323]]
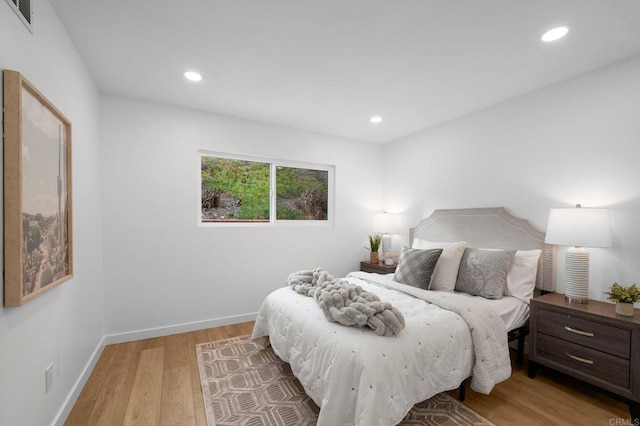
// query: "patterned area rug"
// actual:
[[244, 384]]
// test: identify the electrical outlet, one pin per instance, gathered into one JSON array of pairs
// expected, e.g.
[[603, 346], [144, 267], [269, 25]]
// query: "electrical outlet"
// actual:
[[48, 378]]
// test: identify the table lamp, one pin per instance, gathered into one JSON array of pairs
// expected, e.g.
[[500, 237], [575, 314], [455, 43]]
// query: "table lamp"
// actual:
[[386, 224], [578, 227]]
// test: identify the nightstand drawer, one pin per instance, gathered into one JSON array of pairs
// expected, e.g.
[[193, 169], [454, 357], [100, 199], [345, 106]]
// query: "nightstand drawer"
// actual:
[[602, 337], [590, 362]]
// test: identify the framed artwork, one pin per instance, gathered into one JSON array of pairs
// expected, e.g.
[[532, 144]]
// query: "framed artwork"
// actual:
[[38, 231]]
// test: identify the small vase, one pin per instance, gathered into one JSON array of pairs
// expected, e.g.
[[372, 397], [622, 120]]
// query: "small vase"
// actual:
[[373, 258], [625, 309]]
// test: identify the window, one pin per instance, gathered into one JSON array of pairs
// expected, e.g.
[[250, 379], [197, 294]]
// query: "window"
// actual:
[[246, 190], [23, 9], [301, 194], [234, 190]]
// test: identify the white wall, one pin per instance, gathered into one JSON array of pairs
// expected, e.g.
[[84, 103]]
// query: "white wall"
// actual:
[[65, 325], [161, 269], [575, 142]]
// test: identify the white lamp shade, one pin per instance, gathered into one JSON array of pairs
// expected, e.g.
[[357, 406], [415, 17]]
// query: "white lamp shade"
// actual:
[[580, 227], [386, 223]]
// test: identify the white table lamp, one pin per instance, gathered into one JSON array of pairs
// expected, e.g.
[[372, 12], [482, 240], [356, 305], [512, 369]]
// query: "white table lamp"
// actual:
[[386, 224], [578, 227]]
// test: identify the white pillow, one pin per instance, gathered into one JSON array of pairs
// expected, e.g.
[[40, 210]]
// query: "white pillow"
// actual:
[[521, 281], [446, 272]]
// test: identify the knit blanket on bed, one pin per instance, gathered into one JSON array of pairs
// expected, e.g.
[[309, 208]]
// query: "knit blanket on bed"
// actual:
[[347, 303]]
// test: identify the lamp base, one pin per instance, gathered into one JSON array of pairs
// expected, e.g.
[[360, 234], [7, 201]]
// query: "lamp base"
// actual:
[[385, 243], [571, 299], [577, 275]]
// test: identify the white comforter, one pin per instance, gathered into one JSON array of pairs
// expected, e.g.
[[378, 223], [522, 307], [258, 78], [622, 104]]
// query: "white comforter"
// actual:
[[359, 378]]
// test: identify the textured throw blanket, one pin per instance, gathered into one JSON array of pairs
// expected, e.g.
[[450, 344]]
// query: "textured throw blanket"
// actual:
[[346, 303]]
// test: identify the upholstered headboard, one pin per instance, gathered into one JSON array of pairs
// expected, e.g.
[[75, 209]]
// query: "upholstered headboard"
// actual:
[[490, 228]]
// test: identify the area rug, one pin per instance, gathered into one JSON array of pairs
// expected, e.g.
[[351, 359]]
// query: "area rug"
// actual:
[[243, 384]]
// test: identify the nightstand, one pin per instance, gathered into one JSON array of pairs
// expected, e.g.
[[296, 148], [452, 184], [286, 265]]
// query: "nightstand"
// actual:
[[589, 342], [377, 268]]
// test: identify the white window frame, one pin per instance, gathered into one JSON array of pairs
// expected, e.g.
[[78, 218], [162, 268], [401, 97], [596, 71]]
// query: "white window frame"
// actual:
[[273, 165], [16, 9]]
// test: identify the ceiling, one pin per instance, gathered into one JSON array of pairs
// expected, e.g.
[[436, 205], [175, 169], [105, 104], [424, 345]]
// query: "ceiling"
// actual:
[[327, 66]]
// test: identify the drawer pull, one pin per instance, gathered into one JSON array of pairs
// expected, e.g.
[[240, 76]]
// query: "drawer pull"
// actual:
[[580, 332], [577, 358]]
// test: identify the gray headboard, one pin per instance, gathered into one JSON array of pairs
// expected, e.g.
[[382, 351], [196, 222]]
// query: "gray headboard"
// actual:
[[490, 228]]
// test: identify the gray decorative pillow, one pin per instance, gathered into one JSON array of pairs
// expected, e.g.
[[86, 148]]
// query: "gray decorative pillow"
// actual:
[[416, 266], [484, 272]]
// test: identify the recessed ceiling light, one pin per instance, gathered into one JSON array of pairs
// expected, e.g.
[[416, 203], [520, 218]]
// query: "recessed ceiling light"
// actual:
[[376, 119], [192, 75], [554, 34]]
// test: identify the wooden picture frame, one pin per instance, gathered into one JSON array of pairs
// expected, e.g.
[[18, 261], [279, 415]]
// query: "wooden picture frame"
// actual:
[[38, 231]]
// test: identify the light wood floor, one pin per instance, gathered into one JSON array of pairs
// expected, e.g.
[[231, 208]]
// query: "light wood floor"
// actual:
[[156, 382]]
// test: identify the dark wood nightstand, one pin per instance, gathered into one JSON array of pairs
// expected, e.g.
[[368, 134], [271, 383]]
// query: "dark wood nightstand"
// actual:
[[589, 342], [377, 268]]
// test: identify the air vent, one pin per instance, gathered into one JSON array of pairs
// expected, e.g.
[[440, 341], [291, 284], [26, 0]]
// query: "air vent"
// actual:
[[23, 10]]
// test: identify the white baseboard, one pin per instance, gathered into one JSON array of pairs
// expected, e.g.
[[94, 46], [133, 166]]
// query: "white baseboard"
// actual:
[[130, 336], [149, 333], [63, 413]]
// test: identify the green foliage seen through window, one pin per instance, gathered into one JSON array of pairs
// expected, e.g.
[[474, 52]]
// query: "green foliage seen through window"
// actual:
[[238, 191]]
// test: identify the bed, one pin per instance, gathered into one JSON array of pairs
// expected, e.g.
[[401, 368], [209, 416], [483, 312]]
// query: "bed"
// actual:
[[359, 378]]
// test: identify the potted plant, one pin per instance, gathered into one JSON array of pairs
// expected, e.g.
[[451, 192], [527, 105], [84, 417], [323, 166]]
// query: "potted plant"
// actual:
[[374, 245], [624, 297]]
